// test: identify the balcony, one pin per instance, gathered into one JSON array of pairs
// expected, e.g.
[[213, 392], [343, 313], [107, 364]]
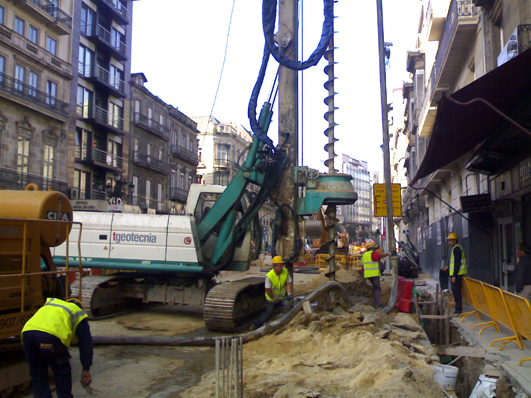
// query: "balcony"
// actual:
[[118, 9], [152, 163], [47, 13], [151, 125], [459, 34], [38, 54], [435, 16], [18, 90], [178, 194], [13, 179], [116, 47], [185, 154], [108, 82], [99, 157], [106, 119]]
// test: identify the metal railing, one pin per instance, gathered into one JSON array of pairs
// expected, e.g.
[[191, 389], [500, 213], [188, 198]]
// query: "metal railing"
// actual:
[[524, 37], [151, 162], [51, 9], [103, 116], [105, 36], [99, 156], [29, 93], [184, 153], [105, 76], [118, 7], [17, 180], [458, 9], [151, 125], [178, 194]]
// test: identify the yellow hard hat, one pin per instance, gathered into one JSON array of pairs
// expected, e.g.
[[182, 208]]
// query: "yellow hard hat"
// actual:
[[76, 301], [453, 235], [278, 260], [371, 246]]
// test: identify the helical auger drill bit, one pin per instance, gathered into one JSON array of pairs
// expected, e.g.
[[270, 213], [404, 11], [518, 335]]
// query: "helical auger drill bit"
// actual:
[[329, 148]]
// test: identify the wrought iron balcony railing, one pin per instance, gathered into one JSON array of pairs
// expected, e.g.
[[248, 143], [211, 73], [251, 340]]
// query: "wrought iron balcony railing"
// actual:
[[103, 116], [151, 125], [151, 162], [184, 153], [118, 7], [22, 90], [14, 179], [104, 76], [99, 156], [178, 194]]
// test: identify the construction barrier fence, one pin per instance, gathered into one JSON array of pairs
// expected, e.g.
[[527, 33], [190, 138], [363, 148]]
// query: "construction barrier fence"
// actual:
[[503, 308]]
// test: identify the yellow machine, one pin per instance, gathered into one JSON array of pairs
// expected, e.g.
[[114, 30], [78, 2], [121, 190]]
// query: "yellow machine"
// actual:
[[31, 222]]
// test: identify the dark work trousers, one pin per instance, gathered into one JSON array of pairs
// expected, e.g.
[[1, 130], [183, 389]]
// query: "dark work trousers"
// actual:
[[443, 278], [42, 350], [456, 290], [376, 296], [284, 306]]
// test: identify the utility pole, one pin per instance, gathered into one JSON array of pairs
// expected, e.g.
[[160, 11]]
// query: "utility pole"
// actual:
[[386, 156], [288, 123]]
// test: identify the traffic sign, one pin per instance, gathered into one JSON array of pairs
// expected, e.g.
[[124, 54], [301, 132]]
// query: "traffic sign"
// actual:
[[380, 207]]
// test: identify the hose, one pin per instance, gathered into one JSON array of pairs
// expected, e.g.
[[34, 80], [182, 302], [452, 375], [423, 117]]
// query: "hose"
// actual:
[[210, 341]]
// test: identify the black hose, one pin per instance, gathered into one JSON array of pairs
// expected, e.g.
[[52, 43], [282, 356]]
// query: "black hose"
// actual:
[[211, 341], [269, 14]]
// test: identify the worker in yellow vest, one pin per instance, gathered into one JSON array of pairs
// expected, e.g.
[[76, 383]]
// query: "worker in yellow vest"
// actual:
[[278, 291], [46, 338], [457, 270], [371, 271]]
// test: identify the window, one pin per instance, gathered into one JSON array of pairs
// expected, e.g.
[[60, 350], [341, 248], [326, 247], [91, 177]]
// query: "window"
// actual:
[[150, 117], [20, 26], [51, 45], [174, 137], [116, 77], [84, 102], [221, 178], [20, 73], [159, 197], [88, 16], [181, 180], [51, 92], [81, 179], [116, 116], [23, 155], [161, 120], [117, 39], [160, 153], [2, 69], [149, 148], [2, 15], [148, 192], [82, 143], [33, 34], [86, 58], [33, 83], [48, 161]]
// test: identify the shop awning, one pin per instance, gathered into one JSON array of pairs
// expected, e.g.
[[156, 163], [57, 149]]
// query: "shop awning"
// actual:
[[459, 129]]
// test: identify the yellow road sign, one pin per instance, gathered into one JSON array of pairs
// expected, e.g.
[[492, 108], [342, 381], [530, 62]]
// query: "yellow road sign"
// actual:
[[380, 207]]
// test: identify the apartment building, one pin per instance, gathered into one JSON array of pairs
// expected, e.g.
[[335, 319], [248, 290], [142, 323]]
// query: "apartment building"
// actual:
[[35, 80], [357, 218], [164, 152], [101, 54], [221, 149], [468, 162]]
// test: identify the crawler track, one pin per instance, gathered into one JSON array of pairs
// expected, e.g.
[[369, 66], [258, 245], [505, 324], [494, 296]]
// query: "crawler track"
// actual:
[[229, 305]]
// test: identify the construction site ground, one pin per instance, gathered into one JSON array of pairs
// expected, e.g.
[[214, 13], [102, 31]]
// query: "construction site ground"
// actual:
[[341, 353]]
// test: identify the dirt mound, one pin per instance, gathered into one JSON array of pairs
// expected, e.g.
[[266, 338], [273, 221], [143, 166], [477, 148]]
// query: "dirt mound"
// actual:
[[344, 354]]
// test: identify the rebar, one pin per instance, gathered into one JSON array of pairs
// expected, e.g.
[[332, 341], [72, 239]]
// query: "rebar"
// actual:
[[229, 367]]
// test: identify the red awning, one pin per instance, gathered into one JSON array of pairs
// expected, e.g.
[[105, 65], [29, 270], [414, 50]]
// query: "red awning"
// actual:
[[459, 128]]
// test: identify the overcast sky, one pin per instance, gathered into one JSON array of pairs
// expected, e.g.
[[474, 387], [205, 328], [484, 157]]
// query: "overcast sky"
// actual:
[[179, 45]]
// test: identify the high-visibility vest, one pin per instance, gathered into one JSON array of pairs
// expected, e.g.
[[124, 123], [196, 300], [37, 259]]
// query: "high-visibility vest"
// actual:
[[278, 284], [370, 268], [58, 318], [462, 268]]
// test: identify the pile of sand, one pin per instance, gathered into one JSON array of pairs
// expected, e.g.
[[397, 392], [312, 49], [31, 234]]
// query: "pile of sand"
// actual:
[[331, 355]]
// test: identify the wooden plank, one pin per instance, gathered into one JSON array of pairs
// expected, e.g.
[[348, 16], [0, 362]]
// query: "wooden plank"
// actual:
[[433, 317], [475, 352]]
